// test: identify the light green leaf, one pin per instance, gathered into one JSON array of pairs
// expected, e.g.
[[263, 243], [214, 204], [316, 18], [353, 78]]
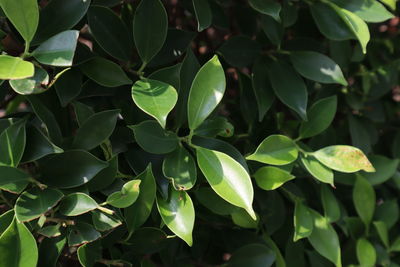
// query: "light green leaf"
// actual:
[[390, 3], [366, 253], [283, 79], [207, 90], [24, 15], [270, 178], [317, 67], [383, 232], [227, 177], [180, 167], [152, 138], [155, 98], [76, 204], [12, 144], [241, 218], [275, 150], [320, 116], [178, 214], [203, 14], [149, 35], [127, 196], [33, 85], [59, 50], [344, 159], [324, 239], [96, 129], [303, 221], [330, 204], [33, 203], [367, 10], [12, 68], [317, 170], [364, 199], [267, 7], [13, 179]]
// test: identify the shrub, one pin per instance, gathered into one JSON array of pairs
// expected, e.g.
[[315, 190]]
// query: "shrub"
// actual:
[[245, 133]]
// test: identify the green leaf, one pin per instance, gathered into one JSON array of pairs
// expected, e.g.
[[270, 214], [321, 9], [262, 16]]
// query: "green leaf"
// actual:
[[58, 16], [33, 85], [240, 51], [96, 129], [317, 67], [227, 178], [12, 144], [203, 14], [275, 150], [262, 89], [33, 203], [330, 204], [364, 199], [105, 72], [317, 170], [241, 218], [390, 3], [12, 68], [154, 139], [344, 159], [303, 221], [104, 222], [127, 196], [388, 212], [267, 7], [252, 255], [178, 214], [155, 98], [105, 177], [366, 253], [324, 239], [320, 116], [18, 246], [59, 50], [110, 32], [169, 75], [72, 168], [382, 230], [215, 126], [209, 199], [76, 204], [270, 178], [89, 254], [68, 86], [207, 90], [367, 10], [51, 230], [13, 179], [82, 233], [180, 167], [24, 15], [137, 214], [5, 220], [82, 112], [385, 169], [283, 79], [149, 35], [50, 250]]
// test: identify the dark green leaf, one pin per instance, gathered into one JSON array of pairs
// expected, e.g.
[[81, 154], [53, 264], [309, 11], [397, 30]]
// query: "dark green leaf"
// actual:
[[13, 179], [105, 177], [215, 126], [68, 86], [385, 169], [5, 220], [50, 250], [262, 89], [240, 51], [208, 198], [330, 204], [82, 233], [76, 204], [104, 222], [89, 254], [364, 199], [252, 255], [203, 14], [12, 144], [267, 7]]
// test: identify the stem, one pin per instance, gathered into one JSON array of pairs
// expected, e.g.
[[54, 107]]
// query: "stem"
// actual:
[[38, 184], [189, 138], [62, 221], [302, 150], [123, 175], [111, 262], [140, 70], [26, 50], [105, 210]]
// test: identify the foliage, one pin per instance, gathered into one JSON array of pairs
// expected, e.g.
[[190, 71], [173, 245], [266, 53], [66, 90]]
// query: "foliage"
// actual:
[[199, 133]]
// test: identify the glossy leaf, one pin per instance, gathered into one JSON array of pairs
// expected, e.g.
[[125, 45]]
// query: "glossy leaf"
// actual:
[[18, 246], [96, 129], [317, 170], [369, 11], [155, 98], [180, 167], [178, 214], [227, 177], [252, 255], [12, 68], [149, 35], [344, 159], [76, 204], [127, 196], [364, 199], [13, 179], [289, 87], [137, 214], [33, 203], [270, 178], [5, 220], [317, 67], [303, 221], [104, 222], [105, 72], [50, 250], [89, 254], [207, 90], [24, 15], [12, 143], [72, 168], [203, 14], [82, 233], [110, 32], [154, 139], [366, 253], [330, 204], [320, 116], [32, 85], [267, 7], [59, 50], [325, 240], [275, 150]]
